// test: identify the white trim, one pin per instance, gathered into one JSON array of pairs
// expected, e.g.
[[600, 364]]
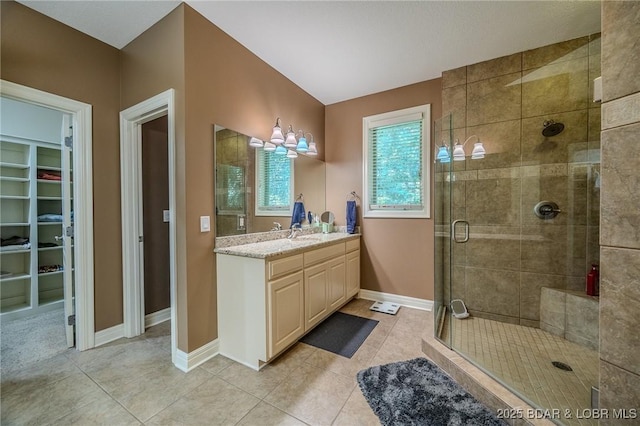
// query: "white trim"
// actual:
[[109, 334], [409, 302], [131, 120], [188, 361], [155, 318], [396, 117], [83, 196]]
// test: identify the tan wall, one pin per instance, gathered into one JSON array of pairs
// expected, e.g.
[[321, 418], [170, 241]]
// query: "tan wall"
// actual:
[[151, 64], [620, 210], [44, 54], [226, 85], [397, 254]]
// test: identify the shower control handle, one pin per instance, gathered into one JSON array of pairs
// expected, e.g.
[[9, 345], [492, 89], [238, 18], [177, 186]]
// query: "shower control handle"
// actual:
[[466, 231], [546, 210]]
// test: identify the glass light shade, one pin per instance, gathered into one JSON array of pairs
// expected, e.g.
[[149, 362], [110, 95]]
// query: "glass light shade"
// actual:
[[458, 153], [443, 154], [302, 145], [255, 142], [478, 151], [291, 141], [280, 150], [269, 147], [312, 149], [276, 137], [292, 154]]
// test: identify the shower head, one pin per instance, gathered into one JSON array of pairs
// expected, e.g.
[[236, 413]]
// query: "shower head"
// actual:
[[551, 128]]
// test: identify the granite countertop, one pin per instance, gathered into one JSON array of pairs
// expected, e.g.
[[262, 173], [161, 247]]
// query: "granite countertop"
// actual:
[[285, 246]]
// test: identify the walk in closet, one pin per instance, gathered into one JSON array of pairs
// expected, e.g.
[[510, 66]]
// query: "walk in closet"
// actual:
[[36, 210]]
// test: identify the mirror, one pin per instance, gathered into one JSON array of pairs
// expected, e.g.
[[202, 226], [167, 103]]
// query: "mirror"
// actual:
[[236, 185]]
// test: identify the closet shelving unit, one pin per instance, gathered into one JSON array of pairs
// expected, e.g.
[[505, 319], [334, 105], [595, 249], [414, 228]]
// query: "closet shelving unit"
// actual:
[[24, 197]]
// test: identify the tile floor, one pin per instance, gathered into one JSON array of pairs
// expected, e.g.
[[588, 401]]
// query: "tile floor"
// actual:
[[132, 381], [521, 358]]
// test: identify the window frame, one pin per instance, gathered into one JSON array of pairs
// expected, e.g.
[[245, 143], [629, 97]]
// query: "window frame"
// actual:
[[274, 212], [422, 112]]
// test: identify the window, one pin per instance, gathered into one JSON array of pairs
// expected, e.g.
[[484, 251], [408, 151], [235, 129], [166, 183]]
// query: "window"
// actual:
[[274, 180], [396, 158]]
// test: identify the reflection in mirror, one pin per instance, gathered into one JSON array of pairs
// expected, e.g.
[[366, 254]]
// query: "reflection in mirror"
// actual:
[[236, 184]]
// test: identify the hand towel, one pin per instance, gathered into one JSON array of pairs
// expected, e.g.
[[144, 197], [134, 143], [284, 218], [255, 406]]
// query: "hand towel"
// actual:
[[351, 216], [298, 213]]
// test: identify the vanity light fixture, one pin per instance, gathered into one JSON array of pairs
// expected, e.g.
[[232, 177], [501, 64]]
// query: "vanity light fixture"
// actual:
[[289, 146], [458, 154]]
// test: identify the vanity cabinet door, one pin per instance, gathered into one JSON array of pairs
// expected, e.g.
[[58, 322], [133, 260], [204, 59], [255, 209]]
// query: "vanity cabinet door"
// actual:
[[286, 312], [353, 273], [316, 282], [337, 282]]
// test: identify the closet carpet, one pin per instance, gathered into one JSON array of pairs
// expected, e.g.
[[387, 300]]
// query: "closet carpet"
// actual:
[[26, 341]]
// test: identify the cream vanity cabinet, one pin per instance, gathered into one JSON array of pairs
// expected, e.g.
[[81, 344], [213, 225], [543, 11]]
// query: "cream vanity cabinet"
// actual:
[[265, 304]]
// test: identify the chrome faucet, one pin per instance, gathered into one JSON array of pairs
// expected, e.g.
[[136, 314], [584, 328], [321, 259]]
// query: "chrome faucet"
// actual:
[[296, 228], [276, 226]]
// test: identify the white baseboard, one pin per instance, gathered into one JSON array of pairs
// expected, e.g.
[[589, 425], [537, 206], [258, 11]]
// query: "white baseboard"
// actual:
[[110, 334], [157, 317], [409, 302], [188, 361]]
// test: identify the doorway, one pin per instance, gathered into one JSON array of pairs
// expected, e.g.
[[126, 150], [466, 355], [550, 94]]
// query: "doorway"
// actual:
[[132, 127], [47, 200], [155, 221]]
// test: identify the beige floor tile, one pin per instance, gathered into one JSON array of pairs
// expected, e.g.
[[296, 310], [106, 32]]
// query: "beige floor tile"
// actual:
[[50, 401], [312, 395], [215, 402], [38, 375], [264, 414], [356, 412], [216, 364], [152, 393], [104, 411]]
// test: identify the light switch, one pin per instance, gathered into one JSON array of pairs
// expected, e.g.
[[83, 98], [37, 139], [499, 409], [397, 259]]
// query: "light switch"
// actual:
[[205, 223], [166, 216]]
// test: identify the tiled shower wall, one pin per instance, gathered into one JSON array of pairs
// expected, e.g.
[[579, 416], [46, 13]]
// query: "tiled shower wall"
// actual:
[[512, 254], [620, 295], [232, 149]]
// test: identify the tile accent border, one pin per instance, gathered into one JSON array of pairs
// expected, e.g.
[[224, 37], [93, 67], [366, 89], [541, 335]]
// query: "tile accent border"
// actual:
[[188, 361], [621, 112], [410, 302]]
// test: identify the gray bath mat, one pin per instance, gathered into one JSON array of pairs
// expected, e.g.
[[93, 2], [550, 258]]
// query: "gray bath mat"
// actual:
[[341, 334], [417, 392]]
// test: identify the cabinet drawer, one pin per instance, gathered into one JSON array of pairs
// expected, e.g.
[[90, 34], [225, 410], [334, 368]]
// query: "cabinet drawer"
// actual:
[[353, 245], [322, 254], [281, 267]]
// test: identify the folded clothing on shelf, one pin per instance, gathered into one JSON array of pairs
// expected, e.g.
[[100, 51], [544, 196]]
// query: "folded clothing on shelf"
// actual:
[[12, 241], [50, 217], [47, 245], [48, 175], [49, 268]]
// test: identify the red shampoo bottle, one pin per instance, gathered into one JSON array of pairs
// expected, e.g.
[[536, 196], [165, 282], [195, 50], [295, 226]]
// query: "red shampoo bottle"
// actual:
[[593, 281]]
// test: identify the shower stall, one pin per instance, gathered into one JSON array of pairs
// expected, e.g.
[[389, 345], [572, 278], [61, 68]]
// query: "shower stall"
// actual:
[[517, 222]]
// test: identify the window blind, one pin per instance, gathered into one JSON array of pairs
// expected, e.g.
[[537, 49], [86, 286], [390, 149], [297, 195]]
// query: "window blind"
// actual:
[[274, 182], [395, 163]]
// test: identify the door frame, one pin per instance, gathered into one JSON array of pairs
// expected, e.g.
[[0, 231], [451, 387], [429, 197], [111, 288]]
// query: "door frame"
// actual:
[[83, 194], [131, 121]]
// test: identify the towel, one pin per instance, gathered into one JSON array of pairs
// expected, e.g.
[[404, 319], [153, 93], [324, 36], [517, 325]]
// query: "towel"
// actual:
[[298, 213], [351, 216]]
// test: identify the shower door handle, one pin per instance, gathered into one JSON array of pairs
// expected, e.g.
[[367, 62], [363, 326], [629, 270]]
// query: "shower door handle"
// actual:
[[466, 231]]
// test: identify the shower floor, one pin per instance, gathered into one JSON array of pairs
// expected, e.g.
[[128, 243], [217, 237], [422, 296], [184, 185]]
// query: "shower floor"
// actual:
[[521, 357]]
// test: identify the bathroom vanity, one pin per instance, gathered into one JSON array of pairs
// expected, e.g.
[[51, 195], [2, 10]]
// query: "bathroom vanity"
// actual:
[[271, 293]]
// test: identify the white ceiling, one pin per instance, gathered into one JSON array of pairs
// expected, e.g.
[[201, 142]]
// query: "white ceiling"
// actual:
[[339, 50]]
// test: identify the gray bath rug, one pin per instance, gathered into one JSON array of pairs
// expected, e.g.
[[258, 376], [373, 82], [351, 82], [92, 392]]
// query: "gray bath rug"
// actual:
[[341, 334], [417, 392]]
